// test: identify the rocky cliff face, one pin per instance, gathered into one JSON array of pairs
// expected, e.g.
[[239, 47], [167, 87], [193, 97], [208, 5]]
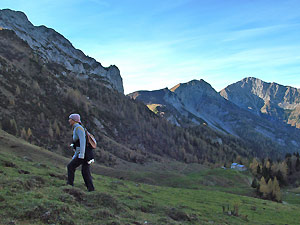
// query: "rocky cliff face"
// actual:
[[165, 103], [274, 100], [202, 100], [52, 47]]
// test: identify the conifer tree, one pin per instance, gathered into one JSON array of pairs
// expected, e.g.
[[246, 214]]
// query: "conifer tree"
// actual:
[[253, 166], [13, 127], [276, 194], [265, 172], [23, 133], [263, 189], [270, 189], [254, 183], [258, 172], [50, 132], [283, 168], [298, 164], [29, 134]]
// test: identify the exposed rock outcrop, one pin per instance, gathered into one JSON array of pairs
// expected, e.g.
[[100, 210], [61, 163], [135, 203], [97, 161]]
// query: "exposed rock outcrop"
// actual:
[[55, 48], [274, 100]]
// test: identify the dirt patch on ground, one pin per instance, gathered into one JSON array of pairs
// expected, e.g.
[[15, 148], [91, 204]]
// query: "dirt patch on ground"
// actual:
[[105, 200], [178, 215], [9, 164], [23, 172], [58, 176], [78, 194], [34, 182]]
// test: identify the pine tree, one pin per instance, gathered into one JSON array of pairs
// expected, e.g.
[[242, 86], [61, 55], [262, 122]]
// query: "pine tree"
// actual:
[[50, 132], [258, 172], [253, 166], [13, 127], [29, 134], [268, 164], [265, 173], [276, 194], [254, 183], [270, 189], [56, 128], [280, 177], [283, 168], [274, 169], [23, 133], [298, 164], [263, 189]]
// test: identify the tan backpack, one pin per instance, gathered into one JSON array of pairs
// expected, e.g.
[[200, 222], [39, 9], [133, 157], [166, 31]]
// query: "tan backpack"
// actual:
[[90, 140]]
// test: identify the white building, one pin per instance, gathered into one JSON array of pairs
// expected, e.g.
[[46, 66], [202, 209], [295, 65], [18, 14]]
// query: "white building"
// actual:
[[238, 167]]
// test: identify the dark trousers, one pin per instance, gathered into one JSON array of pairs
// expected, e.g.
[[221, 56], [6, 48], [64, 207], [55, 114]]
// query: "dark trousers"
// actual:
[[85, 170]]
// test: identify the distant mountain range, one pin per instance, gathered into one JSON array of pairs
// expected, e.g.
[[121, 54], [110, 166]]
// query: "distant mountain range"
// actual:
[[250, 109]]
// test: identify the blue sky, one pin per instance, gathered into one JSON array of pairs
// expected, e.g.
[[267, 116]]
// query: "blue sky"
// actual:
[[160, 43]]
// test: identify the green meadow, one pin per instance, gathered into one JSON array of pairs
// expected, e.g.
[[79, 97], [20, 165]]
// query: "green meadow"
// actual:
[[33, 191]]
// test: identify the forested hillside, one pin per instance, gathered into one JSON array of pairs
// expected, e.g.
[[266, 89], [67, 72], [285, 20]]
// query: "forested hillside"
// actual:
[[37, 97]]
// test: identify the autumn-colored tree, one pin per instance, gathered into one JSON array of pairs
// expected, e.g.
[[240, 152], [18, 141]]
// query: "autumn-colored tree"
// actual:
[[13, 127], [268, 164], [253, 166], [29, 134], [274, 168], [50, 132], [283, 168], [263, 189], [276, 194], [23, 133], [56, 128], [270, 189]]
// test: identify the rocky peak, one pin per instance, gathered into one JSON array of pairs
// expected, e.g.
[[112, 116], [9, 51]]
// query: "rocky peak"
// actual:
[[152, 97], [195, 89], [55, 48], [251, 88], [259, 97]]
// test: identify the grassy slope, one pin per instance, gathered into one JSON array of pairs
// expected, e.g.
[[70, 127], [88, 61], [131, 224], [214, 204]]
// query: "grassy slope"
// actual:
[[33, 191]]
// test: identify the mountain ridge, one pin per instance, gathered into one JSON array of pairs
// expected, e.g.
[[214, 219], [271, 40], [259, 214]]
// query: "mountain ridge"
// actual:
[[225, 115], [269, 99], [55, 48]]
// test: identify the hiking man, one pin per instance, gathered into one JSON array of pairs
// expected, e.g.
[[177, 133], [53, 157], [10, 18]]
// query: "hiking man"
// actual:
[[79, 158]]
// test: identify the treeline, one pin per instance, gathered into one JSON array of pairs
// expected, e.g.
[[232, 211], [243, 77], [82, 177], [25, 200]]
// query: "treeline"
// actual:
[[270, 175]]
